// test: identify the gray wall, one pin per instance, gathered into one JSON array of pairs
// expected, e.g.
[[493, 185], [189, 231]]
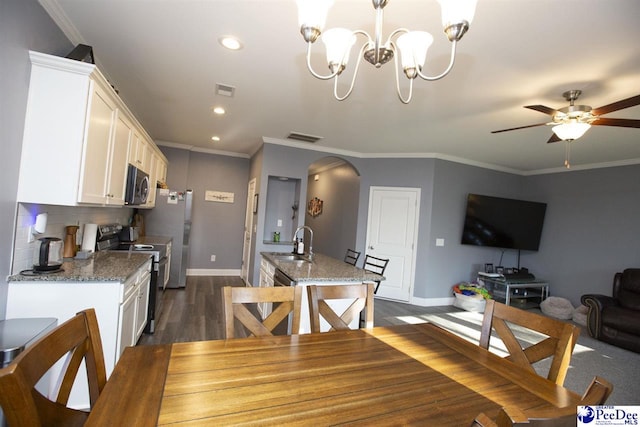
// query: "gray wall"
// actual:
[[277, 160], [335, 228], [217, 228], [591, 230], [449, 264], [24, 26]]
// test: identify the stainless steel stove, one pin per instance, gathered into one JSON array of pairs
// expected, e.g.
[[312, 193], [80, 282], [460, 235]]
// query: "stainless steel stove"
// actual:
[[158, 247]]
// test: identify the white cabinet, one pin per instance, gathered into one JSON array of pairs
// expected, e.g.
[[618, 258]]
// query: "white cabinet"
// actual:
[[119, 307], [76, 137], [161, 170], [142, 304], [140, 152], [127, 318], [133, 308], [104, 163], [267, 270], [153, 163], [117, 176]]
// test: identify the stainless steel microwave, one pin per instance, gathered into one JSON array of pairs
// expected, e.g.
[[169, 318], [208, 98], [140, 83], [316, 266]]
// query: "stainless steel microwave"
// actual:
[[137, 190]]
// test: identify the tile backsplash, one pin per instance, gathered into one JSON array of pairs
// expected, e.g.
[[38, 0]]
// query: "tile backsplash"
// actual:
[[58, 217]]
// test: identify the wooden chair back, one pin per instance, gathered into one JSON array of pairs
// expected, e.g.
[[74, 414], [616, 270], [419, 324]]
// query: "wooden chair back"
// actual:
[[236, 300], [78, 339], [351, 257], [560, 338], [597, 393], [362, 294], [375, 265]]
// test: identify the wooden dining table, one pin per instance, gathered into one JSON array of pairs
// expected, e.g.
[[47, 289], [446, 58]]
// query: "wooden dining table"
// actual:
[[408, 374]]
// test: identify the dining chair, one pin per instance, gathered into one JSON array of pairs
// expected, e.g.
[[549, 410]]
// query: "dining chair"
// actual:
[[361, 294], [76, 339], [560, 338], [597, 393], [236, 298], [351, 257], [375, 265]]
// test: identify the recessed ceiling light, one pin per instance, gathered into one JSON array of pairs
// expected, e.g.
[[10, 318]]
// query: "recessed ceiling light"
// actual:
[[230, 42], [219, 110], [215, 138]]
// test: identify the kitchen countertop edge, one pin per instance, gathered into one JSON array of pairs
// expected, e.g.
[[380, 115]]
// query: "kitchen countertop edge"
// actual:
[[322, 269], [101, 267]]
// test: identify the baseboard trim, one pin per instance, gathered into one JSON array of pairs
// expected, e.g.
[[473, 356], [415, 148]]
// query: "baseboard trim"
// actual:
[[212, 272]]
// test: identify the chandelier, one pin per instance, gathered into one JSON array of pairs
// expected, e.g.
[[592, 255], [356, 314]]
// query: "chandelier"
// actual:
[[411, 46]]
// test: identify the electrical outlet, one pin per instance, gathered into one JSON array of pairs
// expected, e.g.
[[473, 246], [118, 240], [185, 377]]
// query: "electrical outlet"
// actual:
[[279, 223], [213, 258]]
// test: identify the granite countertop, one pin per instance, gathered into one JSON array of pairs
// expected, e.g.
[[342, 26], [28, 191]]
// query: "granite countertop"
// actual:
[[322, 269], [154, 240], [101, 267]]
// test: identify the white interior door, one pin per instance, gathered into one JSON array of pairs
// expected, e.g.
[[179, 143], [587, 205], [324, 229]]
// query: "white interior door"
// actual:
[[248, 226], [392, 233]]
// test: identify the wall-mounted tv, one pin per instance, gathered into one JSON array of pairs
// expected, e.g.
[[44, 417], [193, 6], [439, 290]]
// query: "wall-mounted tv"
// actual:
[[503, 223]]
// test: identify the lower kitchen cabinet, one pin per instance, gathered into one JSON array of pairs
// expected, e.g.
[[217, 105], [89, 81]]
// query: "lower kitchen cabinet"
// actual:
[[121, 309], [267, 270]]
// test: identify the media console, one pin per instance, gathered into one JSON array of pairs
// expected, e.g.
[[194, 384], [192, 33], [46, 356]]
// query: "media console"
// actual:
[[517, 293]]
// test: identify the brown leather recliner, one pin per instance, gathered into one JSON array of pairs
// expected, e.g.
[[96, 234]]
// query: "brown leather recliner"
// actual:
[[616, 319]]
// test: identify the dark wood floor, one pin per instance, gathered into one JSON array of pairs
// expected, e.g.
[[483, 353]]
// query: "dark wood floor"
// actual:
[[195, 312]]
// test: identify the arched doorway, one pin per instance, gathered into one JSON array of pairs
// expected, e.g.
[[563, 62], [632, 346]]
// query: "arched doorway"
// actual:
[[333, 188]]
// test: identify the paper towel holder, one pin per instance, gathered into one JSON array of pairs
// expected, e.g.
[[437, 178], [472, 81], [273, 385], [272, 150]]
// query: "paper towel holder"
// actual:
[[38, 227]]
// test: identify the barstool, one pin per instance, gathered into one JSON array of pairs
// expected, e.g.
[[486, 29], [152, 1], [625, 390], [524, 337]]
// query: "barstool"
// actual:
[[351, 257]]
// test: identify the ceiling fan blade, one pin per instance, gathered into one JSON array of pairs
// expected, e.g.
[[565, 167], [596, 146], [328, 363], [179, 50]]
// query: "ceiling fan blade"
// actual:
[[520, 127], [620, 105], [554, 138], [623, 123], [542, 109]]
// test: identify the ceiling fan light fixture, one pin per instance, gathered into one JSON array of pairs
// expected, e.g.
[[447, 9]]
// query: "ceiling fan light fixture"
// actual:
[[571, 131]]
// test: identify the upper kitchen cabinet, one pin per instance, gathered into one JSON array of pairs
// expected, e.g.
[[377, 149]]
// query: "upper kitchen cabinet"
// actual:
[[77, 136], [140, 153]]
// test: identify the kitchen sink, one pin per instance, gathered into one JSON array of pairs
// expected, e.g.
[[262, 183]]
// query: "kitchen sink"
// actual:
[[287, 257]]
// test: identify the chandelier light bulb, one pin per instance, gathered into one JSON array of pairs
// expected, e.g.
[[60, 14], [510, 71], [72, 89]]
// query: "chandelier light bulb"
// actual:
[[457, 11], [413, 48], [338, 42], [312, 16]]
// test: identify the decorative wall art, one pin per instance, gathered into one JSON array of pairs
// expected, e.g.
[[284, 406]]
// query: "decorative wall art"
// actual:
[[218, 196], [314, 208]]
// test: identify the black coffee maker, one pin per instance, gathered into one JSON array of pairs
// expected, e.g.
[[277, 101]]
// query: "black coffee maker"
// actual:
[[48, 255]]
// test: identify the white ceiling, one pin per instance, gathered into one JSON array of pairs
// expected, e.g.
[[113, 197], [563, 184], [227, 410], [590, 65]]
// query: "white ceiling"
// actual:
[[164, 58]]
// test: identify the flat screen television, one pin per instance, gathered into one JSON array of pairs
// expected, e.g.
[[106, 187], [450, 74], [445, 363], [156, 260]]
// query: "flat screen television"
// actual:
[[503, 223]]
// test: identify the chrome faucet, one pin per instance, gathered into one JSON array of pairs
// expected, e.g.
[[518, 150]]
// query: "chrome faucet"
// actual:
[[302, 227]]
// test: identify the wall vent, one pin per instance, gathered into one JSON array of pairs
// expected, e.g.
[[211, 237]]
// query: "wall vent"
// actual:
[[303, 137], [225, 90]]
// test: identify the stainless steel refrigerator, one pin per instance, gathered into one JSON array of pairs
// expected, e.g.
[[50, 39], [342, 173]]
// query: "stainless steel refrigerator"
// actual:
[[172, 217]]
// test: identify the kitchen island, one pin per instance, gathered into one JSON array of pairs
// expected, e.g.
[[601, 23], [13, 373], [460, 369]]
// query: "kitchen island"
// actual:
[[115, 284], [319, 270]]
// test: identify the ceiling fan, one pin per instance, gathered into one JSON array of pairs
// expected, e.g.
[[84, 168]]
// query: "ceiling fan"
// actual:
[[570, 123]]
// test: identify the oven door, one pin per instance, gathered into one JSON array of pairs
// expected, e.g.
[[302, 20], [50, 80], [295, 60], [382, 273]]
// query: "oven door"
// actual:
[[163, 273]]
